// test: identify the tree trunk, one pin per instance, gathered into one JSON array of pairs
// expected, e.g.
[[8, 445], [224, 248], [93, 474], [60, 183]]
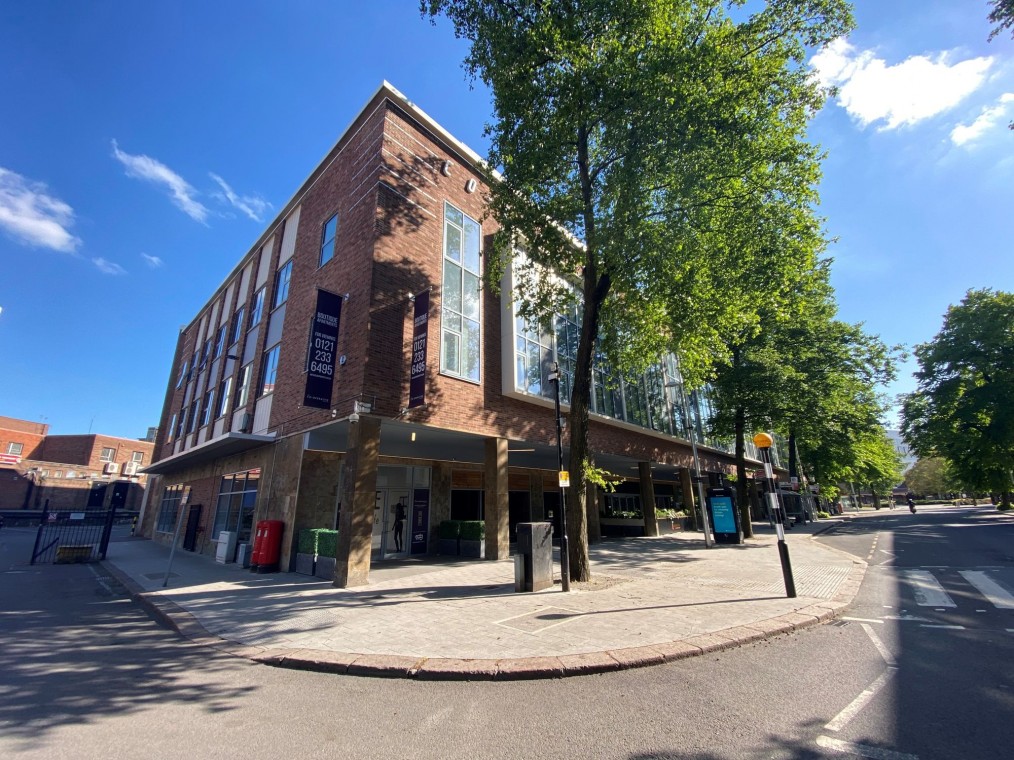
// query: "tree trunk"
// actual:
[[742, 494]]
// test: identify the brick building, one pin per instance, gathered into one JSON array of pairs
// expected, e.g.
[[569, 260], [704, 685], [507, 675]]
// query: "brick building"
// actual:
[[292, 395], [69, 471]]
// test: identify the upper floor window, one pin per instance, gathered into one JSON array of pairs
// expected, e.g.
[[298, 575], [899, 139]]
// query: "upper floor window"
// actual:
[[243, 386], [258, 307], [15, 448], [171, 430], [209, 400], [137, 457], [195, 409], [461, 317], [107, 455], [206, 352], [183, 374], [223, 397], [327, 237], [220, 341], [270, 369], [237, 326], [282, 284]]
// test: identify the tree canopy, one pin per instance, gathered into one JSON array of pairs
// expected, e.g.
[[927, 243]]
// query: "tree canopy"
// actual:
[[639, 143], [963, 408]]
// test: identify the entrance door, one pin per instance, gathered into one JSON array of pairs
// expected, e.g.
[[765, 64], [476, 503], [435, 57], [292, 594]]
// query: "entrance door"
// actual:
[[96, 495], [190, 534], [391, 526], [120, 491]]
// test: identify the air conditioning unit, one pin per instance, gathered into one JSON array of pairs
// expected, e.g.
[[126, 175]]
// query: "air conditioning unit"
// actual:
[[247, 423], [130, 468], [111, 468]]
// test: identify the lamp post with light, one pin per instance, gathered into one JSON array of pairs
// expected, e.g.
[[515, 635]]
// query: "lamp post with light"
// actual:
[[763, 442]]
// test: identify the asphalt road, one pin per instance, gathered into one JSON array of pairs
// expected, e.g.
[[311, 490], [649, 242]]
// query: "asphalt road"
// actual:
[[85, 674]]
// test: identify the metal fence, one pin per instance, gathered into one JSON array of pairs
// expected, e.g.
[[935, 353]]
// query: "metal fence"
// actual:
[[66, 537]]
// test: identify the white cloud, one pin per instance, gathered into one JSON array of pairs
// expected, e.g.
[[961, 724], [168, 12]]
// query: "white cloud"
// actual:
[[906, 93], [253, 206], [30, 214], [153, 261], [108, 267], [147, 168], [988, 118]]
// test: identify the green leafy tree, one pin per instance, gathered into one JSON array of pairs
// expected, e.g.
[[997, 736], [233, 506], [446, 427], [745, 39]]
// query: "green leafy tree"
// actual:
[[963, 408], [633, 139], [930, 476], [1002, 15]]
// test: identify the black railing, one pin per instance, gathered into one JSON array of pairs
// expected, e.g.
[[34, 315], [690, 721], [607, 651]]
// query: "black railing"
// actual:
[[65, 537]]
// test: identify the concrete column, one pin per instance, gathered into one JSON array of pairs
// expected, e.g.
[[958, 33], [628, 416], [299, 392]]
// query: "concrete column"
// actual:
[[496, 500], [359, 495], [687, 485], [647, 498]]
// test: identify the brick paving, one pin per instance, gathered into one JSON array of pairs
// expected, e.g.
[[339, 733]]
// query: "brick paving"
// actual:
[[651, 600]]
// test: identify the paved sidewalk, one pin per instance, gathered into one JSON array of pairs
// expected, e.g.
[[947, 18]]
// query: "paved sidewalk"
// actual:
[[650, 600]]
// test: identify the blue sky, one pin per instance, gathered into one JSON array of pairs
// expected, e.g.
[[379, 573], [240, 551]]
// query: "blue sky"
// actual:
[[144, 146]]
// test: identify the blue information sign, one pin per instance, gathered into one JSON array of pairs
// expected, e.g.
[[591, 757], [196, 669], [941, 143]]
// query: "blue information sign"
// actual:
[[722, 514]]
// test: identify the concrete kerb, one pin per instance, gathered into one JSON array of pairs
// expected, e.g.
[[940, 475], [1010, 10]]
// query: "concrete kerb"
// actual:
[[174, 617]]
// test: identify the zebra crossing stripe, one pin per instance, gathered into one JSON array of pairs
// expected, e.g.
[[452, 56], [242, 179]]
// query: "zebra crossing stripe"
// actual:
[[998, 596], [927, 589]]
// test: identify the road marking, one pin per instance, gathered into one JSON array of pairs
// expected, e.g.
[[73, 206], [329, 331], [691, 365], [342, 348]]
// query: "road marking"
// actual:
[[843, 718], [884, 651], [948, 627], [998, 596], [850, 748], [863, 620], [100, 579], [927, 589]]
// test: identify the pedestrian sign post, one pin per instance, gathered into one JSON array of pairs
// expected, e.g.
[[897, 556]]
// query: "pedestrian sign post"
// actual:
[[564, 479]]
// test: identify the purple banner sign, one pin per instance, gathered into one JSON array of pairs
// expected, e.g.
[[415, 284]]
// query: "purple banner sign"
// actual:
[[321, 353], [420, 331]]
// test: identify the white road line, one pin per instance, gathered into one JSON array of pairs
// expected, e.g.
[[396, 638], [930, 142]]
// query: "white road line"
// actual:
[[100, 579], [863, 620], [998, 596], [948, 627], [843, 718], [927, 589], [862, 750], [884, 651]]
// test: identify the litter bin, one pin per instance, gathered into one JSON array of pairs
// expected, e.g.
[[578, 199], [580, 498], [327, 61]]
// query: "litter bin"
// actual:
[[243, 552], [724, 516], [533, 563]]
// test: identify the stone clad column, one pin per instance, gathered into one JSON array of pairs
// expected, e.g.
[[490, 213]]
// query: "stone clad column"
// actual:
[[497, 503], [647, 498], [359, 496]]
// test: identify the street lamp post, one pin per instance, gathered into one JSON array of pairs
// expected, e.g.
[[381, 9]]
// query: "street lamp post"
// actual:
[[763, 442], [697, 462], [554, 377]]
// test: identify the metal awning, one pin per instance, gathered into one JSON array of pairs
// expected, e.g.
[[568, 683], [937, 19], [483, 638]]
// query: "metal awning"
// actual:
[[223, 446]]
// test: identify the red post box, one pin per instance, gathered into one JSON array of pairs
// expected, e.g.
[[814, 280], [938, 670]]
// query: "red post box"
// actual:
[[258, 546], [269, 539]]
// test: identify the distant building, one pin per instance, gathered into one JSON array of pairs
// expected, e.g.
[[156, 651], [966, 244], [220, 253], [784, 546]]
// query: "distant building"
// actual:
[[69, 471], [907, 457]]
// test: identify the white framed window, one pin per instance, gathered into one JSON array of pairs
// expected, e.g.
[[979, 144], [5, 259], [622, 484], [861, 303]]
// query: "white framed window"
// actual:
[[220, 341], [195, 410], [183, 375], [461, 297], [15, 448], [257, 311], [69, 474], [243, 386], [223, 397], [282, 279], [209, 400], [171, 430], [108, 454], [327, 240], [137, 457], [237, 326], [270, 373]]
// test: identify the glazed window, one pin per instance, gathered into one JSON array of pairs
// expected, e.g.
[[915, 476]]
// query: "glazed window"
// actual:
[[327, 238], [270, 369], [282, 284], [461, 315]]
